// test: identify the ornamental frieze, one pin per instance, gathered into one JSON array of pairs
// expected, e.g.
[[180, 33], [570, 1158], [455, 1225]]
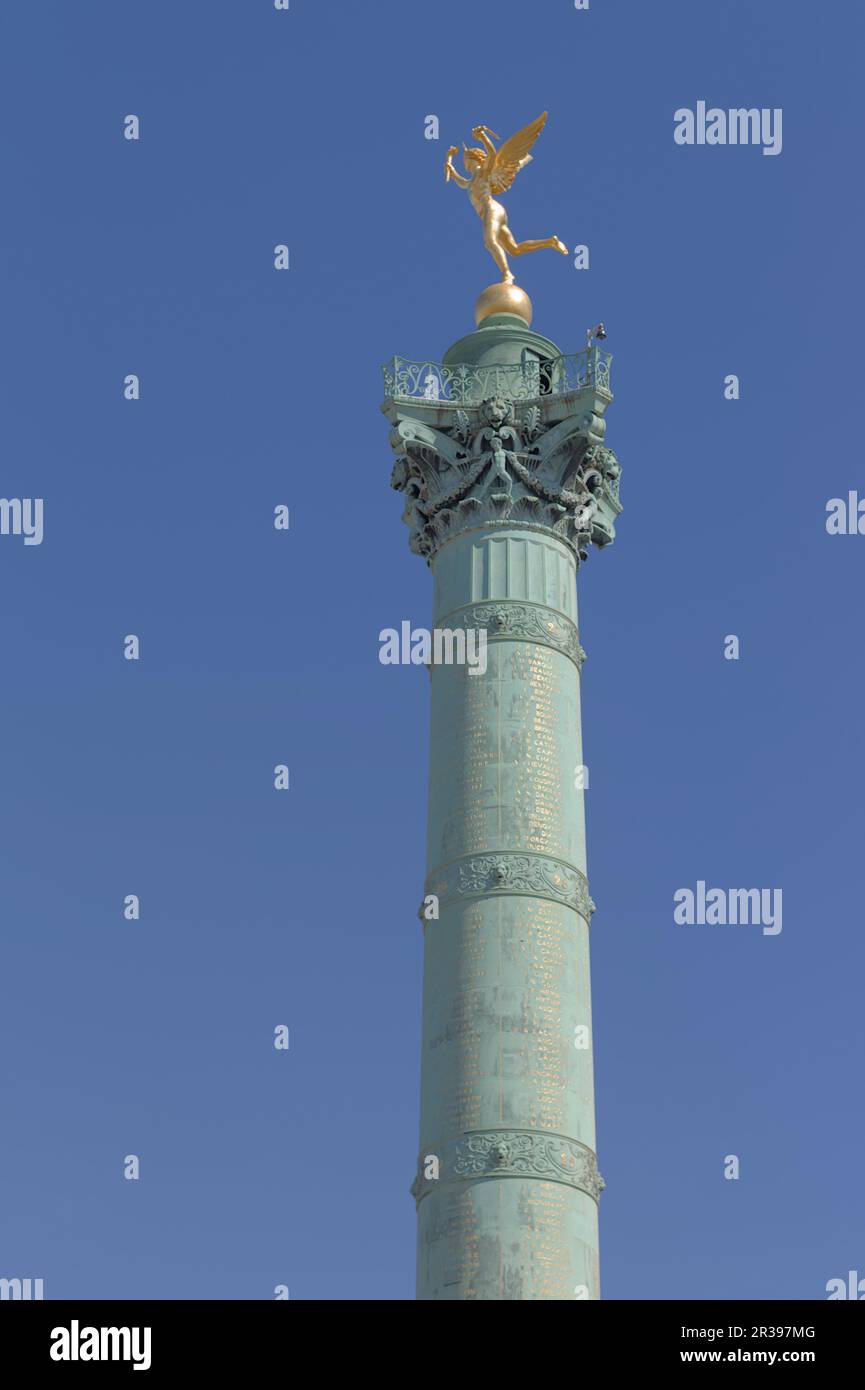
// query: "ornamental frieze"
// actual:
[[508, 1153], [526, 621], [535, 875]]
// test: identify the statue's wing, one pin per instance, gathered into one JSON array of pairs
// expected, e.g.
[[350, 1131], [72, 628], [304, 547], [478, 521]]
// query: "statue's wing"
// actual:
[[513, 154]]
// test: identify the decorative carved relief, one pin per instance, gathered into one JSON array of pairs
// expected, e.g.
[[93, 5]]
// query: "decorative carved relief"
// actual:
[[536, 875], [505, 618], [488, 465], [511, 1153]]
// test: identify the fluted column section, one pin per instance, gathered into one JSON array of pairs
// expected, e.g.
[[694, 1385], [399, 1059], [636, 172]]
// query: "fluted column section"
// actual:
[[507, 1103]]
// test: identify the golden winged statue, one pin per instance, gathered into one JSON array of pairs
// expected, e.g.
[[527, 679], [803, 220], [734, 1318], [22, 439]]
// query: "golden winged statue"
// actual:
[[490, 171]]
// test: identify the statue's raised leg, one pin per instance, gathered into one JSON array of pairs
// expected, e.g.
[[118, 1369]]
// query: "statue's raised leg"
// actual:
[[521, 248]]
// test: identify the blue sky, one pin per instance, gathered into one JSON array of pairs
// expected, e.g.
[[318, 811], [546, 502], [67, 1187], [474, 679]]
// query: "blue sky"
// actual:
[[260, 388]]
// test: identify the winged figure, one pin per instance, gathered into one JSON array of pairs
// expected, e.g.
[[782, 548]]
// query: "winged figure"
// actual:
[[488, 171]]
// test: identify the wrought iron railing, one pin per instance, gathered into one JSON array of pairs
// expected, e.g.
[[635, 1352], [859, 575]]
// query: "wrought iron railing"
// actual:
[[468, 385]]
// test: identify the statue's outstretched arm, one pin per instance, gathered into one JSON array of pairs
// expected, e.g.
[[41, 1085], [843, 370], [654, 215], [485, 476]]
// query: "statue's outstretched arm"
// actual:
[[481, 133], [451, 172]]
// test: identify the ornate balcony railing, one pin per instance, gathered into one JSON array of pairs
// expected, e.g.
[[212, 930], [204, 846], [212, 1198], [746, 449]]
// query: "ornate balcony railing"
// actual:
[[469, 385]]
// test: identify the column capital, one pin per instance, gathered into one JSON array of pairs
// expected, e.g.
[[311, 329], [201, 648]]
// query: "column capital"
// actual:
[[504, 443]]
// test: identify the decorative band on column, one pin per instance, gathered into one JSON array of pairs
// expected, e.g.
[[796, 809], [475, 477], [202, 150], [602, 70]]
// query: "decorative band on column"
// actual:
[[535, 875], [508, 1153], [507, 619]]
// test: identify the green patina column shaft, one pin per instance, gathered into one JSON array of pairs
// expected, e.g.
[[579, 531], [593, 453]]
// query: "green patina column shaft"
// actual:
[[501, 461]]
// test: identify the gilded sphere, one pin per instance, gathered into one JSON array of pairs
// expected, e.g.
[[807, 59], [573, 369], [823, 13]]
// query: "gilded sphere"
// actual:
[[503, 299]]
